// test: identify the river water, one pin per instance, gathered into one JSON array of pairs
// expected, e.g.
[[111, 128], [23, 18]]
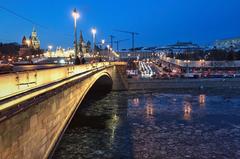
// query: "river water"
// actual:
[[146, 124]]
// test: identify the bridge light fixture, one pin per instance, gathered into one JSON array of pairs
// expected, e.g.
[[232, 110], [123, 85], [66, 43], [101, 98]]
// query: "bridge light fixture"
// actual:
[[94, 31], [75, 15]]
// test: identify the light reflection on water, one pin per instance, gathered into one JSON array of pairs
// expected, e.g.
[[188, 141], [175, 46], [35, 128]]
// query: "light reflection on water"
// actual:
[[187, 110], [156, 125], [135, 102], [149, 107], [112, 126]]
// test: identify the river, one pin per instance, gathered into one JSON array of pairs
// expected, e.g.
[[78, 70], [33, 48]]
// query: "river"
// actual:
[[146, 124]]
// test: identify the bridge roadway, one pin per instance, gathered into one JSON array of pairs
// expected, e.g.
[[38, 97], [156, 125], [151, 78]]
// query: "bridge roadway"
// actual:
[[36, 106]]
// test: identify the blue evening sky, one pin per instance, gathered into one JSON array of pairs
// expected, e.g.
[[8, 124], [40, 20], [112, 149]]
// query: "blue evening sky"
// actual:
[[159, 22]]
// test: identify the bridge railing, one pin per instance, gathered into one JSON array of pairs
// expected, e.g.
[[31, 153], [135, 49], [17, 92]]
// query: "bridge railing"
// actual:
[[12, 84]]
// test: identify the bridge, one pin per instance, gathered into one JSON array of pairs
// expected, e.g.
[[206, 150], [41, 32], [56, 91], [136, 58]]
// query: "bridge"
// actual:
[[36, 106]]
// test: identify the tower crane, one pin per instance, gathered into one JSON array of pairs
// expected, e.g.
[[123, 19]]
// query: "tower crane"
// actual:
[[119, 41], [133, 37], [111, 40]]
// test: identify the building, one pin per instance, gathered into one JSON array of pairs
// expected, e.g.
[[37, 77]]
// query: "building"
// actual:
[[30, 46], [183, 47], [231, 43], [152, 52], [83, 48], [60, 52], [35, 43]]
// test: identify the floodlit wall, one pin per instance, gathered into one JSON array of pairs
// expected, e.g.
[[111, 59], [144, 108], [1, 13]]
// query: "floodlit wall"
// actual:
[[33, 132]]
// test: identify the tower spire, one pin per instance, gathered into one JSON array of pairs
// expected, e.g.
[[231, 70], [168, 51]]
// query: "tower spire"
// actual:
[[81, 42], [34, 29], [81, 37]]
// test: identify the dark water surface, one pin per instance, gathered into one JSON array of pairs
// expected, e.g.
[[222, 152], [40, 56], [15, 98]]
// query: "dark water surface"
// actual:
[[155, 125]]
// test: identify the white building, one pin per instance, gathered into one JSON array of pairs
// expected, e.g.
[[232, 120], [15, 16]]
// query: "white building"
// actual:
[[233, 43]]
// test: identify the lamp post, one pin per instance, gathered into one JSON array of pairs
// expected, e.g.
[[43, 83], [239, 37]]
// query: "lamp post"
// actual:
[[75, 15], [94, 31], [103, 42], [202, 64], [102, 45], [50, 50], [108, 47]]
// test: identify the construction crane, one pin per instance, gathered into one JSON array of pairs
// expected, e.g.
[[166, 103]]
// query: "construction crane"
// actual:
[[111, 40], [133, 37], [119, 41]]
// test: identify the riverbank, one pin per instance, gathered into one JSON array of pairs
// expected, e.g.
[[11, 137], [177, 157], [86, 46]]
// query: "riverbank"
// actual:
[[200, 84]]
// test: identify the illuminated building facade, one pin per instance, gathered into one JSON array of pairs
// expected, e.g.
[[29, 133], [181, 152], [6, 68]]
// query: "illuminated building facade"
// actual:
[[30, 46]]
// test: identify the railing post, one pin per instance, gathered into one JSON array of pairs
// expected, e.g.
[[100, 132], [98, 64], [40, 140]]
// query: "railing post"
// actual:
[[27, 79], [35, 76], [17, 80]]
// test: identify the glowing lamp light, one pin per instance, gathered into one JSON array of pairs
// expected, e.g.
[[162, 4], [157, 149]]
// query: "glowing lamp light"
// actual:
[[75, 14], [94, 31], [103, 42], [50, 47]]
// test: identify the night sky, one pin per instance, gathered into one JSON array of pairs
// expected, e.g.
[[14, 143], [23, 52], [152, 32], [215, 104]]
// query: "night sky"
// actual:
[[159, 22]]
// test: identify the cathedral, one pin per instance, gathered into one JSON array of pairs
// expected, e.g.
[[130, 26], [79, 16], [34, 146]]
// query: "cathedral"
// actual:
[[30, 46], [82, 47], [33, 41]]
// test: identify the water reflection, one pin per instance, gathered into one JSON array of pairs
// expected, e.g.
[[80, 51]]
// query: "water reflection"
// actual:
[[187, 109], [149, 107], [202, 100], [135, 102], [149, 126], [113, 124]]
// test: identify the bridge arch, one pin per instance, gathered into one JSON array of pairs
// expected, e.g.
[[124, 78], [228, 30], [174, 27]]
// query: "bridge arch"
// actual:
[[102, 81], [43, 119]]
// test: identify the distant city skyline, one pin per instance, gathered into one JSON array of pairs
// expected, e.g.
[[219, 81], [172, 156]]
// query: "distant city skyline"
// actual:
[[159, 22]]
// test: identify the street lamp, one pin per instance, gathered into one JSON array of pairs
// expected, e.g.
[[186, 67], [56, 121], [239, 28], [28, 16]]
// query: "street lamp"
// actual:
[[202, 64], [75, 15], [103, 42], [102, 46], [108, 47], [94, 31], [50, 47], [50, 50]]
